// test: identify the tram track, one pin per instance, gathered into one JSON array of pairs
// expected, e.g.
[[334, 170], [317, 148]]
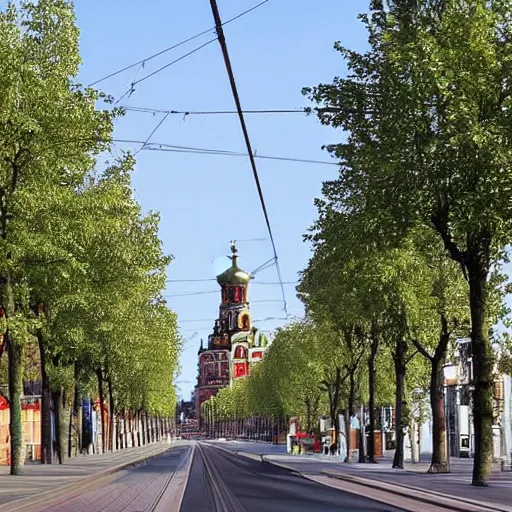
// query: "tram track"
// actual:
[[155, 486], [171, 496], [220, 481], [224, 500]]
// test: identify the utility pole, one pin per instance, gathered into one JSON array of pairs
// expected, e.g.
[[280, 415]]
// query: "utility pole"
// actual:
[[236, 98]]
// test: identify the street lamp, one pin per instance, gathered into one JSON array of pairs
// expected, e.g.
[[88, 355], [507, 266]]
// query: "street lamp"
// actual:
[[450, 380]]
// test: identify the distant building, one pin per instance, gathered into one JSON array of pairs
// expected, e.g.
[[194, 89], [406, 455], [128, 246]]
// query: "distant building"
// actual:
[[235, 344]]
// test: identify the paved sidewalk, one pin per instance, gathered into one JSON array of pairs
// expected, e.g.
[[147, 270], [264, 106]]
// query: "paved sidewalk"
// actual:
[[40, 478], [455, 484]]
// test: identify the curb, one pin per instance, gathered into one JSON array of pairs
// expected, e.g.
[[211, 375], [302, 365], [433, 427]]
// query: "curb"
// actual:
[[248, 455], [253, 456], [425, 496], [172, 495], [455, 503], [84, 483], [283, 466]]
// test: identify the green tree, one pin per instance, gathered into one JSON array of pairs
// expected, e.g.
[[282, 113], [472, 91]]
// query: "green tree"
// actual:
[[50, 132], [354, 281], [427, 112], [439, 312]]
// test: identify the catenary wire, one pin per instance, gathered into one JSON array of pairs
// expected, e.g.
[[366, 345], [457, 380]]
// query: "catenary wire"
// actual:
[[188, 280], [227, 61], [146, 110], [189, 294], [228, 153], [213, 320], [264, 266], [174, 46], [159, 146], [204, 280], [160, 123], [175, 61]]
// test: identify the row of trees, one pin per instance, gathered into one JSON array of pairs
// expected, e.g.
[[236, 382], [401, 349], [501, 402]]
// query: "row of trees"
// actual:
[[410, 239], [427, 114], [81, 267]]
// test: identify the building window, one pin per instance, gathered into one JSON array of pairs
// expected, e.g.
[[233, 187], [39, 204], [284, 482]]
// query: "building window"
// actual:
[[240, 352]]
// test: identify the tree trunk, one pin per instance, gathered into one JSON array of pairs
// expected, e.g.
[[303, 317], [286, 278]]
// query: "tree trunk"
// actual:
[[371, 392], [99, 373], [308, 415], [482, 374], [112, 415], [15, 354], [124, 432], [144, 428], [46, 406], [148, 430], [119, 445], [132, 428], [133, 420], [74, 439], [79, 426], [439, 462], [61, 425], [400, 369], [351, 404], [362, 434]]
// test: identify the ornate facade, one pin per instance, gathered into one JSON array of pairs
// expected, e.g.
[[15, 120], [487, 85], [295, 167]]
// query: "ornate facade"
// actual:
[[235, 344]]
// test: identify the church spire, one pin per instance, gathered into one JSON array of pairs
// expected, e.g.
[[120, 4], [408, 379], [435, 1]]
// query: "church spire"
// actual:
[[233, 275], [234, 254]]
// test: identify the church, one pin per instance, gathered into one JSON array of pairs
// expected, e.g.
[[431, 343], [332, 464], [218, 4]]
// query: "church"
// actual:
[[235, 344]]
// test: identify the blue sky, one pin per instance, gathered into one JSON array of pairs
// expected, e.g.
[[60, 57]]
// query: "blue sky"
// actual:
[[205, 201]]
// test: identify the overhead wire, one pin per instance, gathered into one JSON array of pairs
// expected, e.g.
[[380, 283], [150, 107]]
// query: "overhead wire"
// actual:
[[212, 291], [191, 52], [171, 148], [227, 153], [189, 294], [213, 320], [277, 283], [188, 280], [130, 91], [249, 240], [200, 320], [264, 266], [135, 82], [160, 123], [174, 46], [146, 110]]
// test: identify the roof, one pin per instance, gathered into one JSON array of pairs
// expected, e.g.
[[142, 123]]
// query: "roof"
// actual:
[[233, 275]]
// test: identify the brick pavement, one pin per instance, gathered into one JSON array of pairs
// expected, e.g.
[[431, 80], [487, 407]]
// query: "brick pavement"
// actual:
[[39, 478]]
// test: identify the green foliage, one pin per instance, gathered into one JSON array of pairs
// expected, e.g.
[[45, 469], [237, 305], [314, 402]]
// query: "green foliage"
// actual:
[[83, 265], [427, 112]]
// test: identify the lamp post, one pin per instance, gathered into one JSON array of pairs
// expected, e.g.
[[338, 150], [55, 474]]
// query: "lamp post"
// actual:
[[450, 380]]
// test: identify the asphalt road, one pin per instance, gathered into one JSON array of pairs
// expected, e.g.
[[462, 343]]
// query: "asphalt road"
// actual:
[[223, 482], [217, 482]]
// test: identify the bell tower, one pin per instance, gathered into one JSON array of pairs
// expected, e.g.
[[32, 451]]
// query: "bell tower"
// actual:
[[235, 345], [234, 313]]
